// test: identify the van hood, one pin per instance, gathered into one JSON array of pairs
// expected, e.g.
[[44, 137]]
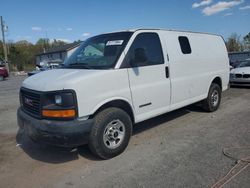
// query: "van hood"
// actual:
[[240, 70], [59, 79]]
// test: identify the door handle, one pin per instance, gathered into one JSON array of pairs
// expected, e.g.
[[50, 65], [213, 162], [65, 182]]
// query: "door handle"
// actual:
[[167, 72]]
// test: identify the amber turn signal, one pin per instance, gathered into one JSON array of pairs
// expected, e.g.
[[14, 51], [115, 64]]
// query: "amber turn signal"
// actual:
[[59, 113]]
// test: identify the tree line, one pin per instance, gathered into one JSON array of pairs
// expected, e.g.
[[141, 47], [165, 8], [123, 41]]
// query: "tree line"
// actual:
[[21, 54]]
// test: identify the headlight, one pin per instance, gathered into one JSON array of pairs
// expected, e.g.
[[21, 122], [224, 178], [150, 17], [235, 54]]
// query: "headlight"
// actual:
[[60, 104], [58, 99], [232, 75]]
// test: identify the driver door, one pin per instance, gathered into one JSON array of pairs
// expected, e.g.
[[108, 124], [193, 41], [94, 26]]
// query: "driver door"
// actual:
[[148, 76]]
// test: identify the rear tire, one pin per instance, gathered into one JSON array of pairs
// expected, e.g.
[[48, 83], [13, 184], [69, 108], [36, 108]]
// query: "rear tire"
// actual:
[[110, 133], [212, 102]]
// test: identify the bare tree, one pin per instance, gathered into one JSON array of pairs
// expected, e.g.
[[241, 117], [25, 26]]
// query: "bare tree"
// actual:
[[233, 43]]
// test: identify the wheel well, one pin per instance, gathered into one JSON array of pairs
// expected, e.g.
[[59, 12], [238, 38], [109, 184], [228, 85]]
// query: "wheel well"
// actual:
[[118, 104], [217, 80]]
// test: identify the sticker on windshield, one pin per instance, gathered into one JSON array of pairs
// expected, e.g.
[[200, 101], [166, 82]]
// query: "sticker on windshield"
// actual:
[[114, 42]]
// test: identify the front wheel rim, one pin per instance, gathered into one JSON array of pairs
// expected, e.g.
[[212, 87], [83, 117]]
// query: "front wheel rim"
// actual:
[[215, 98], [114, 134]]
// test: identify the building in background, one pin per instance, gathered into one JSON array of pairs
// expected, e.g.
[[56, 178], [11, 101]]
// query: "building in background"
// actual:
[[236, 57], [56, 55]]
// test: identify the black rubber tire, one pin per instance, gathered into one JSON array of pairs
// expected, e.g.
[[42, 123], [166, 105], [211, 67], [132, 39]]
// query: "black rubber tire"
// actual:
[[207, 103], [101, 120]]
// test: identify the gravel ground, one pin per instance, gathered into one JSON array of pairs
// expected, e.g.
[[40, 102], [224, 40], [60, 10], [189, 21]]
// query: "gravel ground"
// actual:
[[179, 149]]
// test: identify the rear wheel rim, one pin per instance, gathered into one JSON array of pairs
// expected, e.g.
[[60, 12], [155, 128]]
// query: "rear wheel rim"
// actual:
[[114, 134], [215, 98]]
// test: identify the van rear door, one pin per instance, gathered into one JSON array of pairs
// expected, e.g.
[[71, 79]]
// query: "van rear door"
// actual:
[[148, 76]]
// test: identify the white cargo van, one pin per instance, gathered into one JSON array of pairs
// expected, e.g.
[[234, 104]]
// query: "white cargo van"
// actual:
[[115, 80]]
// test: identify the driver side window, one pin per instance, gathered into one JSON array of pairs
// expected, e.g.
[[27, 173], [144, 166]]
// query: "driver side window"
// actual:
[[145, 51]]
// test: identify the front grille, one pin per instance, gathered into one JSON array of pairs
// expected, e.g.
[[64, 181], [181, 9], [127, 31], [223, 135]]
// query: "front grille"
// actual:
[[246, 75], [31, 102], [238, 75]]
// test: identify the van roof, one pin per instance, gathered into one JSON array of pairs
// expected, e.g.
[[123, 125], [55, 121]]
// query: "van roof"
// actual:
[[160, 29]]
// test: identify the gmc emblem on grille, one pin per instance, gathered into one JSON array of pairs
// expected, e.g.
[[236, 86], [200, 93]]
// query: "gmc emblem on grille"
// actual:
[[28, 101]]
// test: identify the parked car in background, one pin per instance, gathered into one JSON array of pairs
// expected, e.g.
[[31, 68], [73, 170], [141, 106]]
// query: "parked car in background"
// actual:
[[241, 74], [43, 68], [3, 70], [36, 71], [235, 64]]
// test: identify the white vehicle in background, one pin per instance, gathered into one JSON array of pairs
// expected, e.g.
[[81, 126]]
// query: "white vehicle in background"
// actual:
[[241, 74], [44, 67], [115, 80]]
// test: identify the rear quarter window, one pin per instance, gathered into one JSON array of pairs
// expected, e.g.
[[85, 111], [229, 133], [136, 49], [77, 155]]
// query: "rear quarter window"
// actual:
[[185, 45]]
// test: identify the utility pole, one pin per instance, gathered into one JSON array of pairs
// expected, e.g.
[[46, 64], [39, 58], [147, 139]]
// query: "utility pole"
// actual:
[[4, 45]]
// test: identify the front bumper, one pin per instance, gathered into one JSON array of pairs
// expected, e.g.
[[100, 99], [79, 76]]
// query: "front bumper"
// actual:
[[59, 133], [240, 82]]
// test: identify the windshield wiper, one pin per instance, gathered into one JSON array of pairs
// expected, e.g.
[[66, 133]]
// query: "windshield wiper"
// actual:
[[80, 65]]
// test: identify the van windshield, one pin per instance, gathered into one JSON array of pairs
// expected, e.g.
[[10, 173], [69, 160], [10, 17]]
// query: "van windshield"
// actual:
[[99, 52]]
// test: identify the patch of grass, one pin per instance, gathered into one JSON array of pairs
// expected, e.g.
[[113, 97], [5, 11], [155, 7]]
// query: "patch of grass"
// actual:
[[26, 67], [29, 67]]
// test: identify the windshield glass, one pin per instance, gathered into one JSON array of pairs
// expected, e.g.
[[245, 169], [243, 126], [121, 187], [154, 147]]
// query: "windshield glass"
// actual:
[[244, 64], [100, 52]]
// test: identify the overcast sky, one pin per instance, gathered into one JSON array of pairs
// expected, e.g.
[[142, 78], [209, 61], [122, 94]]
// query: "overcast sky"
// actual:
[[79, 19]]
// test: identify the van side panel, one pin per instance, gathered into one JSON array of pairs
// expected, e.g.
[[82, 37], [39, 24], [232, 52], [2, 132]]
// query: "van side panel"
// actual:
[[191, 74]]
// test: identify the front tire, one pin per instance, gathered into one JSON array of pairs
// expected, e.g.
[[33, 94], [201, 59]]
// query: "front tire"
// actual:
[[212, 102], [111, 133]]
